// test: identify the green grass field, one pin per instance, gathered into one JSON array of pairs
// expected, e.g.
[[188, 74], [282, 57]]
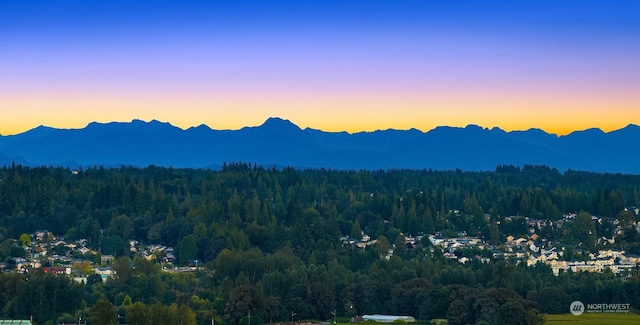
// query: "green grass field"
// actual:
[[592, 319]]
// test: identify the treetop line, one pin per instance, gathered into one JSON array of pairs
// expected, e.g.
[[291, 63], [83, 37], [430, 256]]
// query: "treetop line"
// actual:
[[267, 241]]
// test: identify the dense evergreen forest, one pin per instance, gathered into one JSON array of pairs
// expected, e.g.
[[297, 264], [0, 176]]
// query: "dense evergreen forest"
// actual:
[[268, 243]]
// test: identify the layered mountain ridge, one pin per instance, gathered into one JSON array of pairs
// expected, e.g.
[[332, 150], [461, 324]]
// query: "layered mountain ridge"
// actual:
[[278, 142]]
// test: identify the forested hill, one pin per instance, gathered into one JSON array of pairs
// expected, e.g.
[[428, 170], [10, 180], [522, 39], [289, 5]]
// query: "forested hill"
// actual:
[[268, 241], [166, 202], [279, 142]]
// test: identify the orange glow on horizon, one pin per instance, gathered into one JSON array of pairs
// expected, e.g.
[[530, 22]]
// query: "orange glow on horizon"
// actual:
[[353, 113]]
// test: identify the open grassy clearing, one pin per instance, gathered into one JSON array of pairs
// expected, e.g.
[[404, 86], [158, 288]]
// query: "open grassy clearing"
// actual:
[[592, 319]]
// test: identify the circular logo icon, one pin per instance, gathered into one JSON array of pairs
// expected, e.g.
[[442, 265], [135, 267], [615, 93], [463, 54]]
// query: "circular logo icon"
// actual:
[[577, 308]]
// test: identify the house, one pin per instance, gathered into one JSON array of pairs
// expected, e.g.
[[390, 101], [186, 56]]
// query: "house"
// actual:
[[18, 260], [363, 244], [169, 258], [104, 273], [450, 255], [610, 253], [80, 279], [133, 246], [387, 318], [520, 241], [631, 258], [388, 255], [535, 258], [193, 263], [601, 262], [437, 240], [147, 256], [104, 259], [41, 235], [57, 270], [534, 248], [58, 242]]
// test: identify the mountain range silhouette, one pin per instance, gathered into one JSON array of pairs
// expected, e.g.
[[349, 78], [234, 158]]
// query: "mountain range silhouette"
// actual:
[[278, 142]]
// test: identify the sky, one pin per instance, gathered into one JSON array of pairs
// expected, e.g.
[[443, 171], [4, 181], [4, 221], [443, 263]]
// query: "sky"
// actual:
[[349, 65]]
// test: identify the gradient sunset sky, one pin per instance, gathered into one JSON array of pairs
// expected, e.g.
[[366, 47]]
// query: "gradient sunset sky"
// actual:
[[332, 65]]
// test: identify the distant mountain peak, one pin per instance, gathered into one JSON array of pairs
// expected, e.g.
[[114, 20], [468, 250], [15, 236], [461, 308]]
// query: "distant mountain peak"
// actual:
[[279, 123], [152, 122], [538, 130], [592, 130], [473, 127], [630, 126], [203, 127], [134, 123], [40, 129]]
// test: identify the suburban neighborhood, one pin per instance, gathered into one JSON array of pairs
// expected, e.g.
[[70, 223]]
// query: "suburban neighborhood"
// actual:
[[531, 249]]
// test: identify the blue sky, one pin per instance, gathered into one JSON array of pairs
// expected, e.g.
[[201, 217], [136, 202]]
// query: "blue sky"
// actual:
[[333, 65]]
